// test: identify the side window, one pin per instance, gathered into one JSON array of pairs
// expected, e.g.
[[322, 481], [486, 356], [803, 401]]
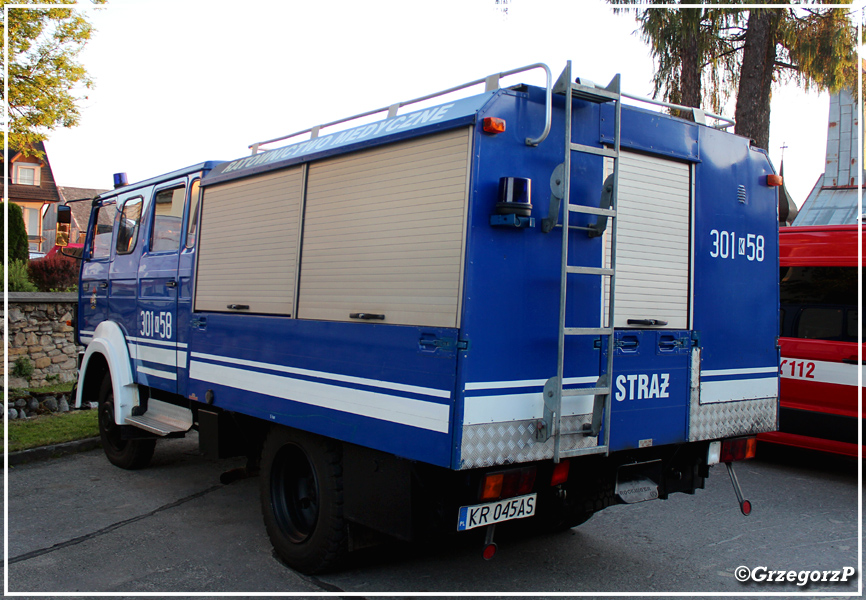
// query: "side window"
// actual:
[[167, 220], [194, 203], [819, 302], [104, 229], [820, 324], [853, 315], [127, 227]]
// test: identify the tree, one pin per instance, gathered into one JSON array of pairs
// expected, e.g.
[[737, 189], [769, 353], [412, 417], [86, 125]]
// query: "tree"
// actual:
[[19, 247], [43, 69], [810, 46], [683, 43], [746, 51]]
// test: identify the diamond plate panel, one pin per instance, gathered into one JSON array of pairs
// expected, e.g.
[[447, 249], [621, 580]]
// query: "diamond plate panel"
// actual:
[[728, 419], [489, 444]]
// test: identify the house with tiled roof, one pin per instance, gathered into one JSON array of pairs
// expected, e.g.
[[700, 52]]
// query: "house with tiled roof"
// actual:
[[31, 186], [79, 200]]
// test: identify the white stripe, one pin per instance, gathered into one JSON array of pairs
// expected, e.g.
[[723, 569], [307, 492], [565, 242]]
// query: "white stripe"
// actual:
[[518, 407], [156, 342], [155, 355], [388, 385], [499, 385], [405, 411], [86, 332], [157, 373], [86, 338], [181, 359], [734, 390], [823, 371], [752, 371]]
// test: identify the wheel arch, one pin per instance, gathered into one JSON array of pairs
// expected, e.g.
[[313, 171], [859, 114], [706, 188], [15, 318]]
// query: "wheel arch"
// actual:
[[108, 352]]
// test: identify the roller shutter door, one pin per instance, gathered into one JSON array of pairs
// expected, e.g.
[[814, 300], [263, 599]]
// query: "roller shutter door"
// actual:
[[248, 246], [653, 241], [384, 233]]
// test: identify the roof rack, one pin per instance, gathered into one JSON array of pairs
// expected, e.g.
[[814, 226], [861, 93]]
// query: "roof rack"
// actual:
[[491, 83]]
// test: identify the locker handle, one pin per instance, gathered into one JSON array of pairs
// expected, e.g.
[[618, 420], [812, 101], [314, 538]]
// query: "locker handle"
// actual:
[[647, 322], [367, 316]]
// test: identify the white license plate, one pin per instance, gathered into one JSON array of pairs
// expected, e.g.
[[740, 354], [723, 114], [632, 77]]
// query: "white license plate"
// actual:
[[495, 512]]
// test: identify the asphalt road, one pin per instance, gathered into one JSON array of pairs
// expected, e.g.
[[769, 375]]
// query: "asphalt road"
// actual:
[[78, 524]]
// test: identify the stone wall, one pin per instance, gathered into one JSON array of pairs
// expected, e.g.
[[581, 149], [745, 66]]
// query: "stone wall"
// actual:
[[40, 339]]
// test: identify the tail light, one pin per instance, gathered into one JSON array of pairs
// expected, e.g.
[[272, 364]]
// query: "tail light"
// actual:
[[560, 473], [507, 484], [738, 449]]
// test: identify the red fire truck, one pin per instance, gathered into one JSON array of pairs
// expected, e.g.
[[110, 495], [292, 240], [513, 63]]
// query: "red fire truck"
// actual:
[[820, 354]]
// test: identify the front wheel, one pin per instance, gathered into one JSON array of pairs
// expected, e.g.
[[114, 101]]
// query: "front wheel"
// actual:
[[126, 454], [302, 499]]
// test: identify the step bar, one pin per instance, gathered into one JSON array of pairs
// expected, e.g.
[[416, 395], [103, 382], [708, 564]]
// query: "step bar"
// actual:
[[162, 418]]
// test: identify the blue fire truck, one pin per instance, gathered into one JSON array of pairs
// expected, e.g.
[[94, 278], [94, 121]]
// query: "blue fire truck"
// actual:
[[523, 305]]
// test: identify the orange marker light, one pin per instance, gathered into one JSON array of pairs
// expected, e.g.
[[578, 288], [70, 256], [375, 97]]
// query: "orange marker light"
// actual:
[[492, 487], [774, 180], [493, 125]]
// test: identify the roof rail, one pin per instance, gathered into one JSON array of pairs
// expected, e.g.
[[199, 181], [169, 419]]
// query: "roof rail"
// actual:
[[698, 114], [491, 83]]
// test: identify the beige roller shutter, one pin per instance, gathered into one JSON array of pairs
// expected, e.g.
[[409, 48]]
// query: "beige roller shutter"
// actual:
[[249, 243], [384, 233], [653, 241]]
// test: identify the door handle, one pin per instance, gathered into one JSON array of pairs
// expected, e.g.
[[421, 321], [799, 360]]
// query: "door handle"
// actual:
[[103, 284], [171, 284]]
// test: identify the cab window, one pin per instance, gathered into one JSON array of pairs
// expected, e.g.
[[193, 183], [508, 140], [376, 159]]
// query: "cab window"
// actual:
[[194, 203], [167, 220], [100, 243], [127, 225]]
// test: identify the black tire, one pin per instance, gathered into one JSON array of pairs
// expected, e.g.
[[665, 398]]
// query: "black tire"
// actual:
[[126, 454], [302, 499]]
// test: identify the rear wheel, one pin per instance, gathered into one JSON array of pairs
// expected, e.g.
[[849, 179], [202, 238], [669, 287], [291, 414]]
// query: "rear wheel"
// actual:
[[302, 499], [126, 454]]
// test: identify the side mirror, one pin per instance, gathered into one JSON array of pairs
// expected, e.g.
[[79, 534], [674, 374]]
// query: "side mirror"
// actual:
[[64, 225]]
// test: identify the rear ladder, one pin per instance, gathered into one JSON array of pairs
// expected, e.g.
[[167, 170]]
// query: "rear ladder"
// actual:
[[560, 183]]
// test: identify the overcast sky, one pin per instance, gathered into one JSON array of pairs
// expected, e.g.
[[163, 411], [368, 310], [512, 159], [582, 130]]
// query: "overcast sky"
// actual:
[[181, 82]]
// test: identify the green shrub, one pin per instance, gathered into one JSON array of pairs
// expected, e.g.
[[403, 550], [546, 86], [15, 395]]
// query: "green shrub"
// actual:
[[19, 247], [19, 278], [23, 368]]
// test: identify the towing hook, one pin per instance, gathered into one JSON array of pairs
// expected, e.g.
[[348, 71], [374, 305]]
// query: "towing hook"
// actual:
[[489, 550], [745, 505]]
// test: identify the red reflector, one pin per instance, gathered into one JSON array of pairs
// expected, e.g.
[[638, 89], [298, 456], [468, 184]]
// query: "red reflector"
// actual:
[[738, 449], [560, 473], [774, 180], [493, 125], [489, 551], [746, 507]]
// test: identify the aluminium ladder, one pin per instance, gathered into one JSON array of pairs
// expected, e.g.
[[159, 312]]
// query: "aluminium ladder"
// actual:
[[560, 183]]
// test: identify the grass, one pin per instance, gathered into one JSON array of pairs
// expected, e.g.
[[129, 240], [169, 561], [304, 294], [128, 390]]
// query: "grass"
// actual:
[[52, 429], [57, 388]]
